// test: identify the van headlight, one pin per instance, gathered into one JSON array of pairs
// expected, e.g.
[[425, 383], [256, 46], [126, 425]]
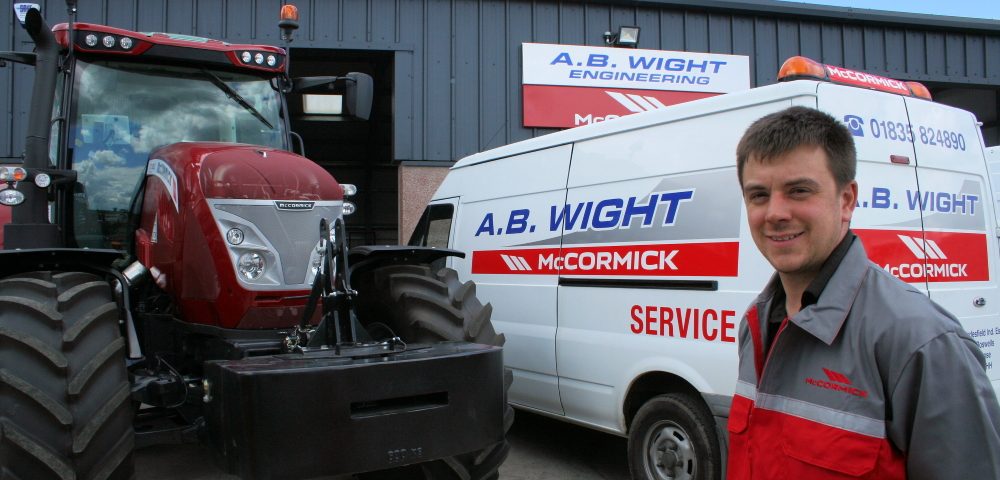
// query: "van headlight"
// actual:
[[251, 265]]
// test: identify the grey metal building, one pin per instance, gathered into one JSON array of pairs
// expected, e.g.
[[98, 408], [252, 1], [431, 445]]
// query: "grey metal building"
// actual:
[[448, 72]]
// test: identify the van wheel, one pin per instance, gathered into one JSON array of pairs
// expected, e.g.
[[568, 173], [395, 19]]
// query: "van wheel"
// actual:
[[673, 438], [65, 399], [420, 306]]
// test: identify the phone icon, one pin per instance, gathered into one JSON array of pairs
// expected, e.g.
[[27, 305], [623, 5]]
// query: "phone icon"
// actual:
[[855, 124]]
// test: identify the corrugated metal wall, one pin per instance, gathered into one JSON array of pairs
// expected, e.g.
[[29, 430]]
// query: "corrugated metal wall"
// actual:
[[457, 62]]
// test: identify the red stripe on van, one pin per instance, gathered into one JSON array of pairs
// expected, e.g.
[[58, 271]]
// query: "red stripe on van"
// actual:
[[718, 259], [917, 257]]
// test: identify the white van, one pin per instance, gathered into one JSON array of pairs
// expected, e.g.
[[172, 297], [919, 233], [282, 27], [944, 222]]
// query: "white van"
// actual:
[[993, 166], [618, 260]]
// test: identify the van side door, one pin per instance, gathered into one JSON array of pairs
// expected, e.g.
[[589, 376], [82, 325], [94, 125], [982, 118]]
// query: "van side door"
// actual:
[[504, 228], [653, 280]]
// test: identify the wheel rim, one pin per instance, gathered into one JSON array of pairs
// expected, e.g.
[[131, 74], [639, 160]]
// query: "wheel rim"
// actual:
[[670, 453]]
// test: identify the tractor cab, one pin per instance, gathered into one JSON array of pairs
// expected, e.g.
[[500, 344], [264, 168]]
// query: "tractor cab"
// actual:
[[119, 112]]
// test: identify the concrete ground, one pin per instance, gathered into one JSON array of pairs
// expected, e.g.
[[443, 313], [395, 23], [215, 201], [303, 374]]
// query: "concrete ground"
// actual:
[[541, 449]]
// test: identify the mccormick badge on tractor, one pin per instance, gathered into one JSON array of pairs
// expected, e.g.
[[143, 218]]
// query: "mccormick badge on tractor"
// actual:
[[619, 263]]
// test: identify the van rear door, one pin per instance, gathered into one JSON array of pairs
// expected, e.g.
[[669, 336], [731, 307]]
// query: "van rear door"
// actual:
[[887, 217], [960, 245]]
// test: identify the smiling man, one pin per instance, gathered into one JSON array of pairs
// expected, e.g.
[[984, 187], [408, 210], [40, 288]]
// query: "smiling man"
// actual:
[[845, 371]]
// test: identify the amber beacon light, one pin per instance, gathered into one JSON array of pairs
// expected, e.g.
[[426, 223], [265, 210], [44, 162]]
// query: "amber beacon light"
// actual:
[[799, 68], [289, 21]]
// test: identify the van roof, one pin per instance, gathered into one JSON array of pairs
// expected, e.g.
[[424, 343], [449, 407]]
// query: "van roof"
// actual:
[[695, 108]]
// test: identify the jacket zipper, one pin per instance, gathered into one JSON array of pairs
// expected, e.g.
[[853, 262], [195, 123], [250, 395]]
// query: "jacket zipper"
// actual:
[[770, 352]]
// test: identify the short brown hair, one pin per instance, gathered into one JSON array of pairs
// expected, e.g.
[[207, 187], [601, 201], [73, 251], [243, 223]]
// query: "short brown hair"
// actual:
[[781, 132]]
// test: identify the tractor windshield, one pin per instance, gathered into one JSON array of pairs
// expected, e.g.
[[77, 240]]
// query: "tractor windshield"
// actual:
[[123, 111]]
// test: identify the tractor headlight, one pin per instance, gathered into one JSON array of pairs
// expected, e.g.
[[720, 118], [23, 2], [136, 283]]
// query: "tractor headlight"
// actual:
[[109, 41], [349, 208], [11, 197], [251, 265], [90, 40], [234, 236]]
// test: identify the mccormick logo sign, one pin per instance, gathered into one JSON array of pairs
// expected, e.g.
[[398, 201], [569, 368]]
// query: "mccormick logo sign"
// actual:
[[717, 259], [287, 205], [932, 256], [862, 79], [572, 85]]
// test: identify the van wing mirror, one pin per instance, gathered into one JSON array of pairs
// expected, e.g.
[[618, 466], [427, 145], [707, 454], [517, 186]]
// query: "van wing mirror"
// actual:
[[358, 91]]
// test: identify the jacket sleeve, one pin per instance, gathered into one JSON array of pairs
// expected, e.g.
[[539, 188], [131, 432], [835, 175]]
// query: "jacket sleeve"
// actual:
[[944, 412]]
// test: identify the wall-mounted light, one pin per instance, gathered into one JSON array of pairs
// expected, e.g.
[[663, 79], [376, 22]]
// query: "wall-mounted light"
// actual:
[[627, 37]]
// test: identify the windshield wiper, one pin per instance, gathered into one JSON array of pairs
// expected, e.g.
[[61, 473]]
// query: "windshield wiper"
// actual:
[[236, 97]]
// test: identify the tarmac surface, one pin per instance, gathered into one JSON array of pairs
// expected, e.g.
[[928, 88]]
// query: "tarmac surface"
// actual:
[[541, 449]]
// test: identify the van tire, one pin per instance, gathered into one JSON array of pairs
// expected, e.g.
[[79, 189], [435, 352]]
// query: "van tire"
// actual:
[[676, 429], [65, 398], [421, 306]]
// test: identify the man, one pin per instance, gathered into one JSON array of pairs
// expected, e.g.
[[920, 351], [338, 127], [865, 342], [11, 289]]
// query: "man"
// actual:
[[845, 371]]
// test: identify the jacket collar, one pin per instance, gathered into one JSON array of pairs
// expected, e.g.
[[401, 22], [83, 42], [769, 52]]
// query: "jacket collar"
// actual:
[[825, 318]]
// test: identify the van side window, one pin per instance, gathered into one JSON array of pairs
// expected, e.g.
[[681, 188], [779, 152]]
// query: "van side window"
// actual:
[[434, 227]]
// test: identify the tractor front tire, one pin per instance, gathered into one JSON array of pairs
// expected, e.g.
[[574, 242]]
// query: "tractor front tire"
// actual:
[[65, 407], [421, 306]]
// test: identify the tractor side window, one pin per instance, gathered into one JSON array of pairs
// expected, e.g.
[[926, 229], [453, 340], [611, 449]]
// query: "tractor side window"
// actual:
[[434, 227]]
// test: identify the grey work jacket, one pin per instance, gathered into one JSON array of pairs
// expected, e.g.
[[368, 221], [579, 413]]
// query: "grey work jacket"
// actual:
[[874, 380]]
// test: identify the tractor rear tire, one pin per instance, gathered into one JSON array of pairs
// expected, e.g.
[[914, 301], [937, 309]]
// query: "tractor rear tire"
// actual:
[[65, 407], [425, 307]]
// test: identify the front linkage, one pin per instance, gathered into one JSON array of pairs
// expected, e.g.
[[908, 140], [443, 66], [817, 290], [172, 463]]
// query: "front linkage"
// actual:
[[378, 404], [339, 326]]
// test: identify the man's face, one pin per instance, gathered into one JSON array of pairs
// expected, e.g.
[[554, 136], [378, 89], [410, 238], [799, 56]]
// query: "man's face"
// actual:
[[797, 214]]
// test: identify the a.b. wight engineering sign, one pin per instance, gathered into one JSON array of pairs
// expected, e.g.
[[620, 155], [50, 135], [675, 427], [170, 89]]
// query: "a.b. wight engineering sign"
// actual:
[[572, 85]]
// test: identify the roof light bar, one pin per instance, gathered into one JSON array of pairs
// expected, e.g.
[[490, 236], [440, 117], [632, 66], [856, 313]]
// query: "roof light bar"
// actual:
[[797, 67], [919, 90], [102, 40]]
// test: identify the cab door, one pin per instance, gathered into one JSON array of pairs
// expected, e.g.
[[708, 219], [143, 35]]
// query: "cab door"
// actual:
[[887, 215], [955, 200]]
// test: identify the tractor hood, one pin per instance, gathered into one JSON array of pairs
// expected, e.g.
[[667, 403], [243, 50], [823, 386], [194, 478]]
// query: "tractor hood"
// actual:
[[226, 170], [231, 231]]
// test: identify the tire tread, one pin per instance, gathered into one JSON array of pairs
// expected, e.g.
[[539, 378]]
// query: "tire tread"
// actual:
[[39, 452], [61, 348]]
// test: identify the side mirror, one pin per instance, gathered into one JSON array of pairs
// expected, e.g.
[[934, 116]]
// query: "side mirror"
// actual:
[[358, 91], [358, 95]]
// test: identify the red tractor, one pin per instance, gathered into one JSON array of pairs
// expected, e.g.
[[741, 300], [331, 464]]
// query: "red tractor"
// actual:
[[171, 272]]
